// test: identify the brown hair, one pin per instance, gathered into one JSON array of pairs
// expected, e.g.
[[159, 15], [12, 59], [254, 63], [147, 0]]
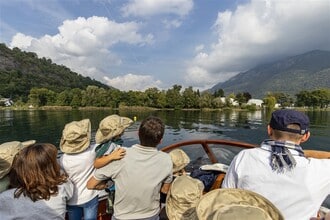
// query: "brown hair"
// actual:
[[36, 173], [151, 131], [277, 134]]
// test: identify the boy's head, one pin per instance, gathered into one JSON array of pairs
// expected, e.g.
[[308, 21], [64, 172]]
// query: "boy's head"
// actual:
[[182, 198], [281, 119], [151, 131], [76, 136], [179, 159], [111, 127], [288, 124]]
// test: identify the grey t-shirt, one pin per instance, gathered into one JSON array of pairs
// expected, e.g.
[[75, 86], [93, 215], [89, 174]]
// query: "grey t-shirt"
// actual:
[[138, 178], [24, 208]]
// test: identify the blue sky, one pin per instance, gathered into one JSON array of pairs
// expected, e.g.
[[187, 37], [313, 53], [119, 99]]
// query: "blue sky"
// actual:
[[138, 44]]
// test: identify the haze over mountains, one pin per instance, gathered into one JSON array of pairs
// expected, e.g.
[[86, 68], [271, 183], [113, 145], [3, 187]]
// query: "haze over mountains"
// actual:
[[308, 71]]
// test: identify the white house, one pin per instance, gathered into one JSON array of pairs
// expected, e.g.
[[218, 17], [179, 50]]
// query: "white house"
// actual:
[[6, 101], [231, 101], [257, 102]]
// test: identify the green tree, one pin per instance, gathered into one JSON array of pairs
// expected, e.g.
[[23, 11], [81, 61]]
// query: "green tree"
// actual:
[[42, 97], [174, 98], [219, 93], [152, 97], [269, 101], [205, 100], [285, 100], [76, 97], [190, 98]]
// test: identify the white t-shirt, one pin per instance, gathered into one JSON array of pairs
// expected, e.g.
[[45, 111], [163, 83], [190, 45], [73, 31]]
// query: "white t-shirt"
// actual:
[[298, 193], [138, 178], [80, 168], [24, 208]]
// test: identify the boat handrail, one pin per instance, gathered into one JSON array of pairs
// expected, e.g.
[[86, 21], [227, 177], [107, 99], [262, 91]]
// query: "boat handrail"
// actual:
[[205, 144]]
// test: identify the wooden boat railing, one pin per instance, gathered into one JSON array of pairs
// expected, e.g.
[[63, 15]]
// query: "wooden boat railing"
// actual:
[[206, 145]]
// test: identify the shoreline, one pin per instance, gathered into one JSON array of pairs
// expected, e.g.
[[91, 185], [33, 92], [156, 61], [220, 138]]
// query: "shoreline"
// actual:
[[141, 108]]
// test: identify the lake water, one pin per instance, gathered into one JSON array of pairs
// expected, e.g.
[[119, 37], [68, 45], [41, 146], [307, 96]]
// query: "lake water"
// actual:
[[47, 126]]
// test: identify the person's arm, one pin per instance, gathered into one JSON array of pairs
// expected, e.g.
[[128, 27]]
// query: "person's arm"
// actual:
[[165, 188], [96, 184], [231, 179], [116, 154]]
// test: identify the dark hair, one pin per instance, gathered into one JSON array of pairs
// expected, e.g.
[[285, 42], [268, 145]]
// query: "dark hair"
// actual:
[[151, 131], [36, 173]]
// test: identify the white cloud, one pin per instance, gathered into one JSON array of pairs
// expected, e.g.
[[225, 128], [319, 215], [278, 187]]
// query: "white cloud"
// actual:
[[142, 8], [172, 23], [199, 48], [199, 78], [21, 41], [261, 31], [84, 44], [133, 82]]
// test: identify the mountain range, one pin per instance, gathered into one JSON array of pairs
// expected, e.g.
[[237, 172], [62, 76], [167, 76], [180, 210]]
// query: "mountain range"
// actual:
[[20, 71], [308, 71]]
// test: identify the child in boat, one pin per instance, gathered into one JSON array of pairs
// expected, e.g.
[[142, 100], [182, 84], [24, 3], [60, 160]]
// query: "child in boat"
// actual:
[[108, 138], [139, 176], [8, 152], [77, 161], [39, 190], [182, 198], [180, 160]]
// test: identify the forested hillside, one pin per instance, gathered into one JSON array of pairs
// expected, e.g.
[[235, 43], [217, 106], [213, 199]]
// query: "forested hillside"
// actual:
[[20, 71]]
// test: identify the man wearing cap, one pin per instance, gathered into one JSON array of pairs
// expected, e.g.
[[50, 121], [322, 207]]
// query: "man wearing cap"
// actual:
[[279, 171]]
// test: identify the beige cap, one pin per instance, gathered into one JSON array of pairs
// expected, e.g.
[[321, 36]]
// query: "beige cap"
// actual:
[[231, 204], [76, 136], [8, 152], [179, 159], [111, 127], [182, 198]]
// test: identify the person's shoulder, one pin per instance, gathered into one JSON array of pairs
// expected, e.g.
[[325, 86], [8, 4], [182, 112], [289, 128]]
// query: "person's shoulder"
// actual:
[[164, 154], [9, 193], [323, 164], [250, 151], [66, 188]]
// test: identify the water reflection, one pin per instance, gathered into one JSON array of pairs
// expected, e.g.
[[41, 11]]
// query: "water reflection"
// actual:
[[47, 126]]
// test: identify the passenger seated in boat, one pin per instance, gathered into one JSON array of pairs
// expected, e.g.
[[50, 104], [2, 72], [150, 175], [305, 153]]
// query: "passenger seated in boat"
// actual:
[[229, 204], [139, 176], [184, 194], [180, 160], [279, 171], [108, 138], [8, 151], [77, 161], [39, 190]]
